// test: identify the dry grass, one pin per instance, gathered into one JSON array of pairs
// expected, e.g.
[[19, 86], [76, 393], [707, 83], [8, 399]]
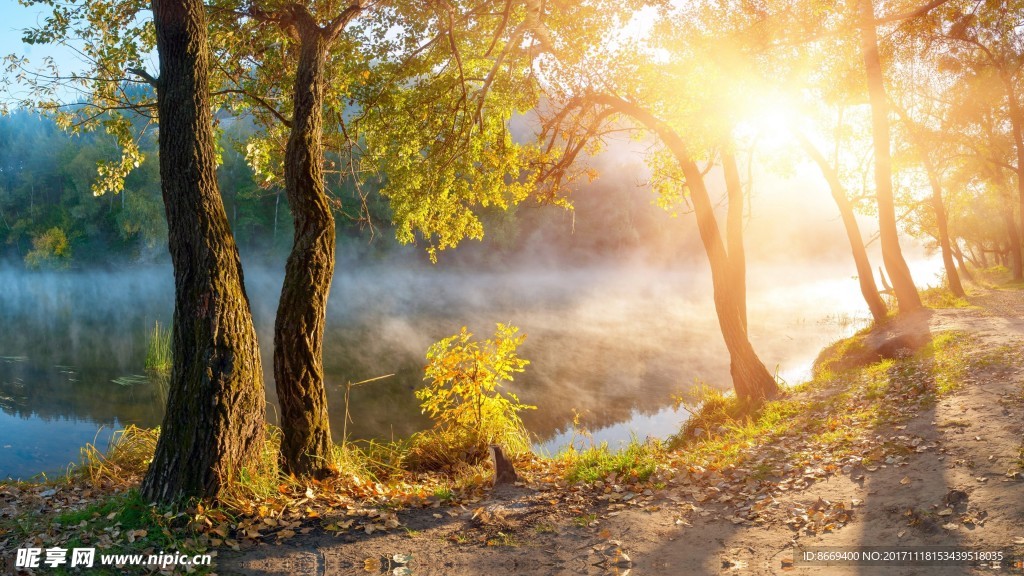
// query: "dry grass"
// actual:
[[125, 461]]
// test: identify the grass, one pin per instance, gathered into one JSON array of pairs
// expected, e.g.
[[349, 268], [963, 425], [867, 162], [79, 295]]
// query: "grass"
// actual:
[[158, 350], [942, 297], [126, 459], [852, 394], [997, 278], [584, 520], [117, 523], [842, 355], [832, 412], [504, 540], [637, 461]]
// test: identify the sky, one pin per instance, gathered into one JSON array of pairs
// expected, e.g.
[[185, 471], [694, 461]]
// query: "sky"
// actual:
[[13, 19]]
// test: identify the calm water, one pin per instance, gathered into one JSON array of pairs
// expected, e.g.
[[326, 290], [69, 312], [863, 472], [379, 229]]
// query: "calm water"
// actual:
[[613, 344]]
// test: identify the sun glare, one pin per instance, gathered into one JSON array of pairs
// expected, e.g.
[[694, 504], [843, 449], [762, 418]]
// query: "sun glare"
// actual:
[[769, 122]]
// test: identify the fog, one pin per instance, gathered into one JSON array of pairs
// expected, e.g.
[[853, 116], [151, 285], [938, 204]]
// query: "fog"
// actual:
[[612, 343], [614, 297]]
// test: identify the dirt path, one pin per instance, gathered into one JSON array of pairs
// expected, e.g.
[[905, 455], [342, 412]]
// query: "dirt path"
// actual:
[[956, 482]]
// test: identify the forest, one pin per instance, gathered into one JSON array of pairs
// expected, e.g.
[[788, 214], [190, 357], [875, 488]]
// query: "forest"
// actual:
[[291, 187]]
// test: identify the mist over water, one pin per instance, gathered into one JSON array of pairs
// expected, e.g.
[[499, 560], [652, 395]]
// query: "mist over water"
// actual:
[[612, 343]]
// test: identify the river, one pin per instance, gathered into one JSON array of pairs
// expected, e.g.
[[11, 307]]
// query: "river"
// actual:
[[611, 344]]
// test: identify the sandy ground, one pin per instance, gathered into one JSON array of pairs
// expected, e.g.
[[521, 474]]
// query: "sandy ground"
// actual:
[[960, 486]]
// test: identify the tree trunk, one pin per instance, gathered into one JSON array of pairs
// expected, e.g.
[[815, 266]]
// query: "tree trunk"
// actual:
[[892, 256], [952, 277], [1016, 121], [960, 260], [1011, 257], [750, 378], [981, 258], [301, 313], [865, 276], [214, 423], [734, 232]]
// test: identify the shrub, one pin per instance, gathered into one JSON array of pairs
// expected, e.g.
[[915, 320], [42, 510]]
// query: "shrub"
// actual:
[[49, 250], [464, 401]]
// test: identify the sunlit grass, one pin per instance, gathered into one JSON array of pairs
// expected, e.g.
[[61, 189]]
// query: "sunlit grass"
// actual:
[[841, 355], [832, 412], [997, 277], [942, 297], [635, 462], [124, 461]]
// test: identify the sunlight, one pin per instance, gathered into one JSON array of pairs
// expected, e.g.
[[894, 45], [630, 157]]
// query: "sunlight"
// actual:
[[768, 121]]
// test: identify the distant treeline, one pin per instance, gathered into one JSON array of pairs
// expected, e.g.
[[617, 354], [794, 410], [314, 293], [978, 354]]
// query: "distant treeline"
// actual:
[[50, 218]]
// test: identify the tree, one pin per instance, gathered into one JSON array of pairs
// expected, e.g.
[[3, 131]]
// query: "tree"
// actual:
[[699, 84], [302, 310], [326, 62], [926, 148], [902, 282], [213, 427], [751, 379], [865, 275]]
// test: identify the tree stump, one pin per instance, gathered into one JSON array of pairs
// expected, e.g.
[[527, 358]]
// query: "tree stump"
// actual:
[[504, 472]]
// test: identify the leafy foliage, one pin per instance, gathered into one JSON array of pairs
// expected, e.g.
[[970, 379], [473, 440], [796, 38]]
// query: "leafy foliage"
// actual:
[[49, 250], [464, 400]]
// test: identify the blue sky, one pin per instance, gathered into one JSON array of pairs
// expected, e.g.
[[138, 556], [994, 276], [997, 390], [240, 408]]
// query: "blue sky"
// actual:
[[13, 19]]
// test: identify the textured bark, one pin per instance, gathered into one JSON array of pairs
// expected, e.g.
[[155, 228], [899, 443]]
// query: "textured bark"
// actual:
[[734, 234], [214, 423], [952, 277], [301, 313], [892, 256], [865, 275], [750, 378]]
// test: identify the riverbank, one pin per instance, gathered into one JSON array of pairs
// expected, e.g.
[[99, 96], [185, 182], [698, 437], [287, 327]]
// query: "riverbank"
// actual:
[[887, 446]]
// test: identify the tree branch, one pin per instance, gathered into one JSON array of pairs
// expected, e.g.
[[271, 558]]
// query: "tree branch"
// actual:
[[263, 103], [154, 82]]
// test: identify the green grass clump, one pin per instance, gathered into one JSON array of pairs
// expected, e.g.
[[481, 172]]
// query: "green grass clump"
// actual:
[[942, 297], [637, 461], [842, 355], [158, 350]]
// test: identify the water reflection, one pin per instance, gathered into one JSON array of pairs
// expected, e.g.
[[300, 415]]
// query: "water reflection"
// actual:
[[612, 344]]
